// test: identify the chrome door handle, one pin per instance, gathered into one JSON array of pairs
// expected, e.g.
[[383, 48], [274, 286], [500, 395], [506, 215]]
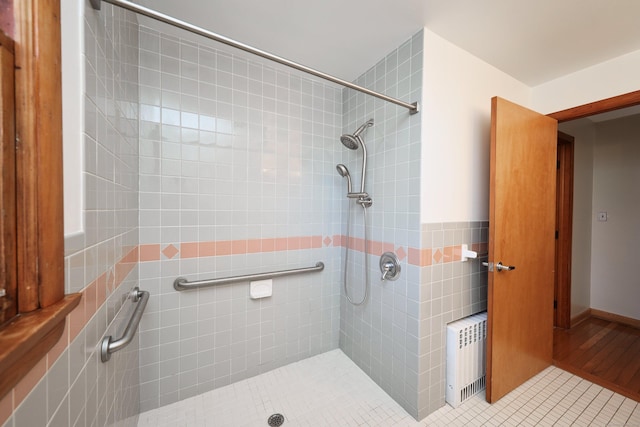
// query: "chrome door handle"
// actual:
[[499, 266]]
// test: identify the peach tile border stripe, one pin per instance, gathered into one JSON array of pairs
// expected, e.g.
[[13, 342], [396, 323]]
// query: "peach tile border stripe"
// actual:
[[154, 251], [414, 256], [94, 295]]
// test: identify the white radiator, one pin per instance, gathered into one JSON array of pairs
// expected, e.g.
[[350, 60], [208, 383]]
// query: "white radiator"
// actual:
[[466, 350]]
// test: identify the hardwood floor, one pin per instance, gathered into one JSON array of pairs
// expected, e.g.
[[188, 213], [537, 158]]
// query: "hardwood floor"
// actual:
[[604, 352]]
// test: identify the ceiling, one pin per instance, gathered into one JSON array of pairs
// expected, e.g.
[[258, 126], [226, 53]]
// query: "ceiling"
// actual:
[[533, 41]]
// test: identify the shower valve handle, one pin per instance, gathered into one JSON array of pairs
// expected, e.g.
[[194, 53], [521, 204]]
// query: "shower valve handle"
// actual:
[[389, 266]]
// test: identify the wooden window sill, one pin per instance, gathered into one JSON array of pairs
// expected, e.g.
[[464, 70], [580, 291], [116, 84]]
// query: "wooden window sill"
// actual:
[[28, 338]]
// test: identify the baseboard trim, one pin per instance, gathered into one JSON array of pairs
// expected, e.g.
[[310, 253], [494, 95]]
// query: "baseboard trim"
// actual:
[[614, 318], [576, 320]]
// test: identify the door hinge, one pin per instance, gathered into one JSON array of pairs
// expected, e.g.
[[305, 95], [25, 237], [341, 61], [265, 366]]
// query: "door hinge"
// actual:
[[555, 304], [558, 164], [557, 234]]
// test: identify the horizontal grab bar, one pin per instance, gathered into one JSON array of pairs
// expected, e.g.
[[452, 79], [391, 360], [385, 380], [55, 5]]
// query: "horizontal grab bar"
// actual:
[[109, 345], [181, 284]]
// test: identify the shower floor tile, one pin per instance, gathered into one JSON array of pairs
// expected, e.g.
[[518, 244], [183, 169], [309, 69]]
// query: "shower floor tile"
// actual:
[[330, 390], [325, 390]]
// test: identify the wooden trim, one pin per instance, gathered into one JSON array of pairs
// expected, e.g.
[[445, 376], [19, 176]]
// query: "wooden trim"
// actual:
[[609, 104], [48, 108], [602, 106], [26, 155], [604, 315], [612, 317], [39, 154], [576, 320], [564, 225], [28, 337], [42, 305], [7, 42], [8, 271]]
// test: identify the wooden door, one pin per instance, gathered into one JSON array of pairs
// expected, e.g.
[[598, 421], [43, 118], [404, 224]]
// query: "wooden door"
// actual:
[[521, 235]]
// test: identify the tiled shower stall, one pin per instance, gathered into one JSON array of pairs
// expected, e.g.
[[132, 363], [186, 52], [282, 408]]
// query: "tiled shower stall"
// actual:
[[202, 162], [237, 176], [237, 165]]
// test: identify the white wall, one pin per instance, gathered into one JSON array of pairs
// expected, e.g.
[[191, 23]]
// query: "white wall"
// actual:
[[456, 114], [584, 133], [456, 117], [611, 78], [615, 285], [456, 124]]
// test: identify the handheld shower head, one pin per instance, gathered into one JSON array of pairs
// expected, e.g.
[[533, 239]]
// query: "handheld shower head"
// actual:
[[344, 172]]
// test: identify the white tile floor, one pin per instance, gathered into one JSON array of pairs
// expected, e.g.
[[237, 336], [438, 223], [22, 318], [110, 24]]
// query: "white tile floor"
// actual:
[[330, 390], [552, 398]]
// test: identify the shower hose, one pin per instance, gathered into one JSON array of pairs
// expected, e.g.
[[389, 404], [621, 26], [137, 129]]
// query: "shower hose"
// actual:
[[366, 257]]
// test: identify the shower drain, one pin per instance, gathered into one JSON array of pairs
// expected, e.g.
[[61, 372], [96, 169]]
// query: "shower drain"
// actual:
[[276, 420]]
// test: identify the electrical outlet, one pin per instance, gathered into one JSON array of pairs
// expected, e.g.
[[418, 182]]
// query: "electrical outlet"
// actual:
[[602, 216]]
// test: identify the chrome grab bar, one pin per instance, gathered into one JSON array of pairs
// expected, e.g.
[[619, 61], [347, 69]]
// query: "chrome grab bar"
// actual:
[[109, 345], [181, 284]]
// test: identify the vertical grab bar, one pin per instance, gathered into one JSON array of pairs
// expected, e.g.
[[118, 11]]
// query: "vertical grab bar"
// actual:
[[109, 345]]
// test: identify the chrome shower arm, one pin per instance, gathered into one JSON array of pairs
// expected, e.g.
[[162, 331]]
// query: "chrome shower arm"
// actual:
[[362, 127]]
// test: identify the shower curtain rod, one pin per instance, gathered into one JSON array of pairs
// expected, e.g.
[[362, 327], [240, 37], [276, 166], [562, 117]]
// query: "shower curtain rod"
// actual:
[[96, 4]]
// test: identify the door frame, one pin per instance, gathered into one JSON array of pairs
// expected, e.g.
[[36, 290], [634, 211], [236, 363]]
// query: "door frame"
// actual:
[[564, 226], [602, 106]]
